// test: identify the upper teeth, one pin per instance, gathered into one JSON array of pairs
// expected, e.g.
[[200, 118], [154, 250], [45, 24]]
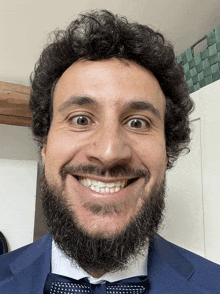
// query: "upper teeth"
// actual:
[[103, 187]]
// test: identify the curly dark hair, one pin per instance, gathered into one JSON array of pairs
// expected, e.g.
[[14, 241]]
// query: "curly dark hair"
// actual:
[[101, 35]]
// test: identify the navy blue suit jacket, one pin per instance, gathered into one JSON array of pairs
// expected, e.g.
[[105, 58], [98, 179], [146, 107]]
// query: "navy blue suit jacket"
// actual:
[[171, 269]]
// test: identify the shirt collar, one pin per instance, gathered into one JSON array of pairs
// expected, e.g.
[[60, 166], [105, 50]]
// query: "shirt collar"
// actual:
[[62, 265]]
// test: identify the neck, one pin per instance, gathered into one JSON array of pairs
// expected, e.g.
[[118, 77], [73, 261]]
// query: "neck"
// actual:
[[96, 274]]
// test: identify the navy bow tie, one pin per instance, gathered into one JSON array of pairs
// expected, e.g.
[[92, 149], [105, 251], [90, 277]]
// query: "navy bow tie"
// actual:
[[56, 284]]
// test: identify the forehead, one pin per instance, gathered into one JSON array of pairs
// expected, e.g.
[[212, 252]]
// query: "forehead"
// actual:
[[110, 82]]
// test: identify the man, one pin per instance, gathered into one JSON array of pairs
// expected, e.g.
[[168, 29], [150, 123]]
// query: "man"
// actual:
[[110, 112]]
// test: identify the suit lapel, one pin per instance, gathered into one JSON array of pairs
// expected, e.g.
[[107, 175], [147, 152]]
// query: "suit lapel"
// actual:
[[28, 272], [168, 270], [173, 258]]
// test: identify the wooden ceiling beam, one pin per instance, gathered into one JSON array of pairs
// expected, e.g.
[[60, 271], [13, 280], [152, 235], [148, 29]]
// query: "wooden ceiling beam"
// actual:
[[14, 104]]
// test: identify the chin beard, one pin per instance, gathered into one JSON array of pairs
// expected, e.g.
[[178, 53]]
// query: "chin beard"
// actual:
[[95, 253]]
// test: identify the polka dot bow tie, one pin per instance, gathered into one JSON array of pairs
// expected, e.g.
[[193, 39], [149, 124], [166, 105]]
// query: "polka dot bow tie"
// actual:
[[56, 284]]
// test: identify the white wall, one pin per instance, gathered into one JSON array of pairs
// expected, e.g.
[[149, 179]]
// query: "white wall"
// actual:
[[193, 196], [18, 185], [18, 179], [183, 224], [17, 143]]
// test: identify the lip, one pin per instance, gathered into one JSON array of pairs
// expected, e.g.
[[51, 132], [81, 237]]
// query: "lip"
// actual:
[[88, 194], [103, 179]]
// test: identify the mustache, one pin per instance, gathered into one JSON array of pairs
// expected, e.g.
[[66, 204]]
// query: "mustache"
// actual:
[[115, 171]]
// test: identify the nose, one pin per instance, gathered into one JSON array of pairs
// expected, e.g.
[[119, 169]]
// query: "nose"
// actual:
[[109, 147]]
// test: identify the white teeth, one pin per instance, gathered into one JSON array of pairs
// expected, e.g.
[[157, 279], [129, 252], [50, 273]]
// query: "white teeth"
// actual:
[[117, 189], [112, 190], [116, 184], [100, 184], [102, 187]]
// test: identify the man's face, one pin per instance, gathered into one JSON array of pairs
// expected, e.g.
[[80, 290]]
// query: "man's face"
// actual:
[[106, 144]]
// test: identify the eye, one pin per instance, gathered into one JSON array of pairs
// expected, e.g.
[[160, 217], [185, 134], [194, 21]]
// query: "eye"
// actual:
[[81, 120], [137, 123]]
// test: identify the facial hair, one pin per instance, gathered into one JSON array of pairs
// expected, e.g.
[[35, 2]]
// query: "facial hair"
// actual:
[[95, 253]]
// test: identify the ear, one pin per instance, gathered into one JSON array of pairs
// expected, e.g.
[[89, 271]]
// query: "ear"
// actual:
[[44, 151]]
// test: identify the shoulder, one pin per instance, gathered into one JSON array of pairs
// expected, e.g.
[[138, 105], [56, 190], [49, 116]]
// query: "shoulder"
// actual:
[[8, 258], [197, 260], [179, 269], [23, 255], [203, 267], [25, 269]]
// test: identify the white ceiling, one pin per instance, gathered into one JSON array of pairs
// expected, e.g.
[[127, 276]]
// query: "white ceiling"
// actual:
[[184, 21], [25, 24]]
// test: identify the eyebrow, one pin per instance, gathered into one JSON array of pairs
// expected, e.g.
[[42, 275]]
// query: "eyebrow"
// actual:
[[142, 105], [133, 105], [78, 100]]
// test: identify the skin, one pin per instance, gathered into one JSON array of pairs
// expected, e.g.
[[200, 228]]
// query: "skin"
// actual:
[[107, 137]]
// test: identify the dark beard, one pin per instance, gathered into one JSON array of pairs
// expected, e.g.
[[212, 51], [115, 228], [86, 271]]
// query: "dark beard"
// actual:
[[97, 254]]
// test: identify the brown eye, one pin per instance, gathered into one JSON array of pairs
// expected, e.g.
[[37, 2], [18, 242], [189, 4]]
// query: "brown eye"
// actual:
[[138, 123], [81, 120]]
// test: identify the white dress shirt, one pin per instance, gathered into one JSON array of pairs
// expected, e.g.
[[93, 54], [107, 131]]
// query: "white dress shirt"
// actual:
[[62, 265]]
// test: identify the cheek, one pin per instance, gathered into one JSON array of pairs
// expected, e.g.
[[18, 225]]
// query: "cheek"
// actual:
[[59, 151], [62, 148], [153, 155]]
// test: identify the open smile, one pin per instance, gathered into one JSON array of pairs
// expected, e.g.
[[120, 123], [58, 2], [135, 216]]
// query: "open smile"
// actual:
[[105, 186]]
